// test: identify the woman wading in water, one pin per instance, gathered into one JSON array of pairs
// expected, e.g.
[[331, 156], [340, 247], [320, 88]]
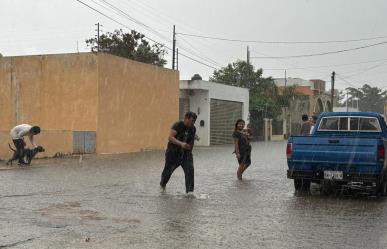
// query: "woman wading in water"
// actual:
[[242, 147]]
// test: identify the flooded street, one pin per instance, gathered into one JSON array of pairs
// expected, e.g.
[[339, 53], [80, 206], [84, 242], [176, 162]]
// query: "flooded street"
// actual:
[[115, 202]]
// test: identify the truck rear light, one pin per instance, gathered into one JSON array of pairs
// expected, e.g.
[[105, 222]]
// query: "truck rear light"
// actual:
[[381, 153], [289, 150]]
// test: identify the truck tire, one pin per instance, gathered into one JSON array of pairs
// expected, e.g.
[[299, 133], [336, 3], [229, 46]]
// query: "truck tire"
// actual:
[[383, 188], [306, 185], [302, 185], [297, 184]]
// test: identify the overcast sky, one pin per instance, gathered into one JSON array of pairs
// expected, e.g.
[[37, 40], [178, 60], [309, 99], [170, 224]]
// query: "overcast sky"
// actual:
[[61, 26]]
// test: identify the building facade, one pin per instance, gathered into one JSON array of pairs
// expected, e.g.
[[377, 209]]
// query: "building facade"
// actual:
[[218, 107], [311, 98]]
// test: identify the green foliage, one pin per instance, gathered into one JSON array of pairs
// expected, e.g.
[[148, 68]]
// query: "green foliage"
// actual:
[[266, 99], [370, 99], [129, 45]]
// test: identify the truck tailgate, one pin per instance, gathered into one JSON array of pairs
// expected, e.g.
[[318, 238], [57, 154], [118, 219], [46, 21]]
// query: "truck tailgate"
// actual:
[[338, 153]]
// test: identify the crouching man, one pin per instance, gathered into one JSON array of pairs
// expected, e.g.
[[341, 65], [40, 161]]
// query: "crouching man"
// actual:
[[17, 135]]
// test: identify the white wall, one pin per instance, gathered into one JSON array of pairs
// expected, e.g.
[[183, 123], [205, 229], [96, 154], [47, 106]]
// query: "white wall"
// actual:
[[344, 109], [199, 101]]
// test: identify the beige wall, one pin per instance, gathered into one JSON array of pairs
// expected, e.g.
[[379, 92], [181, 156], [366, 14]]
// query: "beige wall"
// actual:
[[137, 105], [56, 92], [7, 100], [130, 105]]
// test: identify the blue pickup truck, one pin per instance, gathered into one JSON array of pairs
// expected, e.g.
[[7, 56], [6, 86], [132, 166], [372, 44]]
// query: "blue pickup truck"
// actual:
[[345, 149]]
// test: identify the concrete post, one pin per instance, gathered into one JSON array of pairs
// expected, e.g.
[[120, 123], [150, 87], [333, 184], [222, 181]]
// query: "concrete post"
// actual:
[[266, 129]]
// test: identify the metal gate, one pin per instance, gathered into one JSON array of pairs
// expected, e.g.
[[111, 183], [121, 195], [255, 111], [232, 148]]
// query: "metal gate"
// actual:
[[84, 142], [223, 115], [278, 127]]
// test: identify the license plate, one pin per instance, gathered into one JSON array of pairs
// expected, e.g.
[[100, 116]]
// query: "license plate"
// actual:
[[333, 175]]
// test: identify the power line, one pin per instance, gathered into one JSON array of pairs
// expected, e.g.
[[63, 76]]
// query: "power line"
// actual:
[[205, 58], [193, 59], [192, 50], [320, 54], [366, 70], [310, 70], [126, 15], [280, 42], [123, 25], [343, 79], [135, 7], [324, 66]]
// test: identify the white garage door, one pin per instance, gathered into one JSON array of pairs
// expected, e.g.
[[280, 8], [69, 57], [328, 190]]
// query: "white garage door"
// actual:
[[223, 115]]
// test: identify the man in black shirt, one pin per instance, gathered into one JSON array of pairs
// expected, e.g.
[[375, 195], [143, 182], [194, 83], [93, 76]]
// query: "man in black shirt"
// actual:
[[179, 151]]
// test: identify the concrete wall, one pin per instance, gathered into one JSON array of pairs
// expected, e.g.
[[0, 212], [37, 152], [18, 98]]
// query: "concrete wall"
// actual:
[[134, 103], [56, 92], [137, 105]]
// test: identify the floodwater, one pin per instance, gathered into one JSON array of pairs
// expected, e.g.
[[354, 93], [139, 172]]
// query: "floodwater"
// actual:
[[115, 202]]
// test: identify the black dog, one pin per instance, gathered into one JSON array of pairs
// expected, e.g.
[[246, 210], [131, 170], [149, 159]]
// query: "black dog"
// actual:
[[28, 154]]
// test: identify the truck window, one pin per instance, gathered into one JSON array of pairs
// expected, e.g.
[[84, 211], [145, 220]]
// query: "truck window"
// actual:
[[354, 124], [369, 124], [343, 123], [329, 124]]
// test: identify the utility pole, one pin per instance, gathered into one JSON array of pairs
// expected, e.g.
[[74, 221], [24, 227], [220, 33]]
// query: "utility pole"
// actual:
[[177, 59], [347, 100], [248, 55], [174, 48], [286, 80], [248, 61], [98, 29], [332, 88]]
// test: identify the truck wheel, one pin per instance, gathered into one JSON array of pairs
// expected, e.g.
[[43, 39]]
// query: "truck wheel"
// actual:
[[383, 188], [297, 184], [301, 184], [306, 185]]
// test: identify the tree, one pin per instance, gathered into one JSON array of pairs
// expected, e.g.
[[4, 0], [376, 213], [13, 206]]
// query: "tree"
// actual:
[[1, 55], [266, 100], [129, 45], [370, 99]]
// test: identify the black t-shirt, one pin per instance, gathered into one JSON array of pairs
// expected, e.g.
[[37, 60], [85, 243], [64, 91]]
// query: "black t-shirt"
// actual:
[[184, 134], [243, 141]]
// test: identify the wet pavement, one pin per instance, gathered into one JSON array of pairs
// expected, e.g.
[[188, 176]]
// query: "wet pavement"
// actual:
[[115, 202]]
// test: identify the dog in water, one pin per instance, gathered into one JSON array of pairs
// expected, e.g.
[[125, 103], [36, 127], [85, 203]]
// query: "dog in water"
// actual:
[[28, 155]]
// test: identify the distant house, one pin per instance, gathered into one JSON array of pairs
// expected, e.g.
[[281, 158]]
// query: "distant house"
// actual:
[[218, 107], [311, 98]]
